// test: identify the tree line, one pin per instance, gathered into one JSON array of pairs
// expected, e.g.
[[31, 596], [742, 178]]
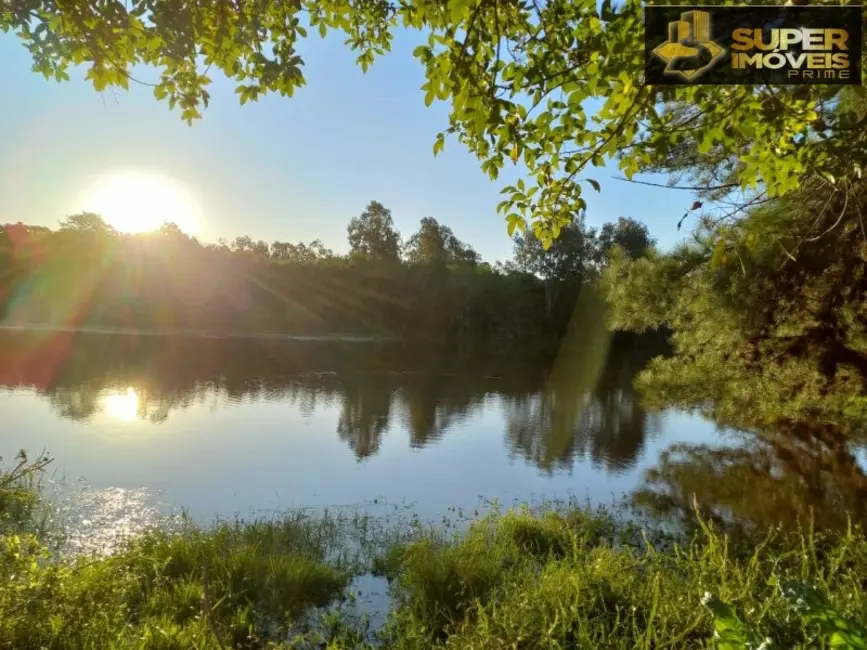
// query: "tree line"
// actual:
[[429, 285]]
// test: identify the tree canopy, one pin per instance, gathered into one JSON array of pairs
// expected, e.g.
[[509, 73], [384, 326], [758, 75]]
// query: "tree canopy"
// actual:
[[519, 77], [372, 235], [435, 243], [87, 222]]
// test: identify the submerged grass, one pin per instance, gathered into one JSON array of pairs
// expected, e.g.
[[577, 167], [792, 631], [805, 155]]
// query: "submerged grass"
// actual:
[[562, 577]]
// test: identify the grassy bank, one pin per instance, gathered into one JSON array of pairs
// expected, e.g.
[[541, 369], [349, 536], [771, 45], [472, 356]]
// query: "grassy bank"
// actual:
[[555, 578]]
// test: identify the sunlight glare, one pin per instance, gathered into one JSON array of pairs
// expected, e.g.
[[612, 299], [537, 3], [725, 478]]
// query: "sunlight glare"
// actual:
[[122, 406], [134, 202]]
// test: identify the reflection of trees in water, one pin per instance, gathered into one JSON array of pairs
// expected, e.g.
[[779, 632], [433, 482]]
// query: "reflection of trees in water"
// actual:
[[779, 478], [75, 403], [83, 402], [549, 428], [605, 424], [433, 403], [168, 374], [364, 416]]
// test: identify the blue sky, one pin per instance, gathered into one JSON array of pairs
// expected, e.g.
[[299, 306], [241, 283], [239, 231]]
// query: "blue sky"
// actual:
[[287, 169]]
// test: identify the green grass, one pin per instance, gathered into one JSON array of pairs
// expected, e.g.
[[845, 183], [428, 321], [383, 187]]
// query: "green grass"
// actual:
[[579, 579], [232, 586], [562, 577]]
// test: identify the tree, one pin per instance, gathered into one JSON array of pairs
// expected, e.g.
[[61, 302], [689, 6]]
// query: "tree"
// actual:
[[631, 236], [171, 229], [373, 236], [435, 243], [528, 106], [300, 253], [87, 222], [566, 261], [261, 249], [243, 243], [768, 314]]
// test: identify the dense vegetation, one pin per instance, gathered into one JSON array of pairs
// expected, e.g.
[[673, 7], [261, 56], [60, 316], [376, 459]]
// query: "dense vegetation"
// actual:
[[767, 305], [562, 577], [431, 287]]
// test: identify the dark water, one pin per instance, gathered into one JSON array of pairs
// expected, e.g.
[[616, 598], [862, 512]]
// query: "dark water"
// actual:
[[222, 427]]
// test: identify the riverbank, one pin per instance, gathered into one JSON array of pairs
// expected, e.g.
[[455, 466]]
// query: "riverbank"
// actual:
[[556, 577]]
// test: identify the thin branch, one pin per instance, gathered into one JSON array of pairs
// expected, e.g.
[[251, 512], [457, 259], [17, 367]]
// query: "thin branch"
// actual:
[[693, 188], [836, 223]]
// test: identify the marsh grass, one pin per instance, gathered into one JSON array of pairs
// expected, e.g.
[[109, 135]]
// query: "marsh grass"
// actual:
[[555, 576], [579, 579]]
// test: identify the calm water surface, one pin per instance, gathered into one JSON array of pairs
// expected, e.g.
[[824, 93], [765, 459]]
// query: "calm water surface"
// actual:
[[229, 427]]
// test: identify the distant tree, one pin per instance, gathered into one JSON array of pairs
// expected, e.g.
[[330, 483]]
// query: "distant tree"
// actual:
[[300, 253], [88, 222], [261, 249], [280, 251], [630, 235], [171, 229], [318, 250], [567, 260], [435, 243], [428, 245], [242, 244], [373, 235]]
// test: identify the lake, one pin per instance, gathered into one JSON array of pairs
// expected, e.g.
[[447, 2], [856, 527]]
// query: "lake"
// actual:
[[226, 427]]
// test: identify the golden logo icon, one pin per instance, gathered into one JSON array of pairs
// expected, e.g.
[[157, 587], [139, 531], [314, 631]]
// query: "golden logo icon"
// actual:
[[687, 38]]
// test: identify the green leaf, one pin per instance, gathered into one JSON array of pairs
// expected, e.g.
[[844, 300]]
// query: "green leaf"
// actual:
[[594, 184], [815, 609], [731, 633]]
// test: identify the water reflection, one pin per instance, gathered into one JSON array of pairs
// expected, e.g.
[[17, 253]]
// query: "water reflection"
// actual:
[[605, 424], [549, 423], [587, 407], [123, 406], [789, 478], [583, 409], [98, 521]]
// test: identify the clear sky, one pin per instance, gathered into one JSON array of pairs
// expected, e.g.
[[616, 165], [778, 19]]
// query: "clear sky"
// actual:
[[288, 169]]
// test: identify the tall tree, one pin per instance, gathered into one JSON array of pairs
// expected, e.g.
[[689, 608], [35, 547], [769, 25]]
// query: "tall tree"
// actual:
[[373, 235], [435, 243], [566, 261], [630, 236]]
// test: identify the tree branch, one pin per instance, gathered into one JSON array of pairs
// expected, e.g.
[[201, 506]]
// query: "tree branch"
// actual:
[[694, 188]]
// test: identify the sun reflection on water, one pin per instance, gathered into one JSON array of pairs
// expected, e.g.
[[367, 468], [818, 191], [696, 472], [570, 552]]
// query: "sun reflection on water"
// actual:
[[122, 406], [99, 521]]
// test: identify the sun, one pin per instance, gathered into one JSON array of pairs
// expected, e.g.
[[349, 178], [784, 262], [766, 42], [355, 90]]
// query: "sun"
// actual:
[[134, 202]]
